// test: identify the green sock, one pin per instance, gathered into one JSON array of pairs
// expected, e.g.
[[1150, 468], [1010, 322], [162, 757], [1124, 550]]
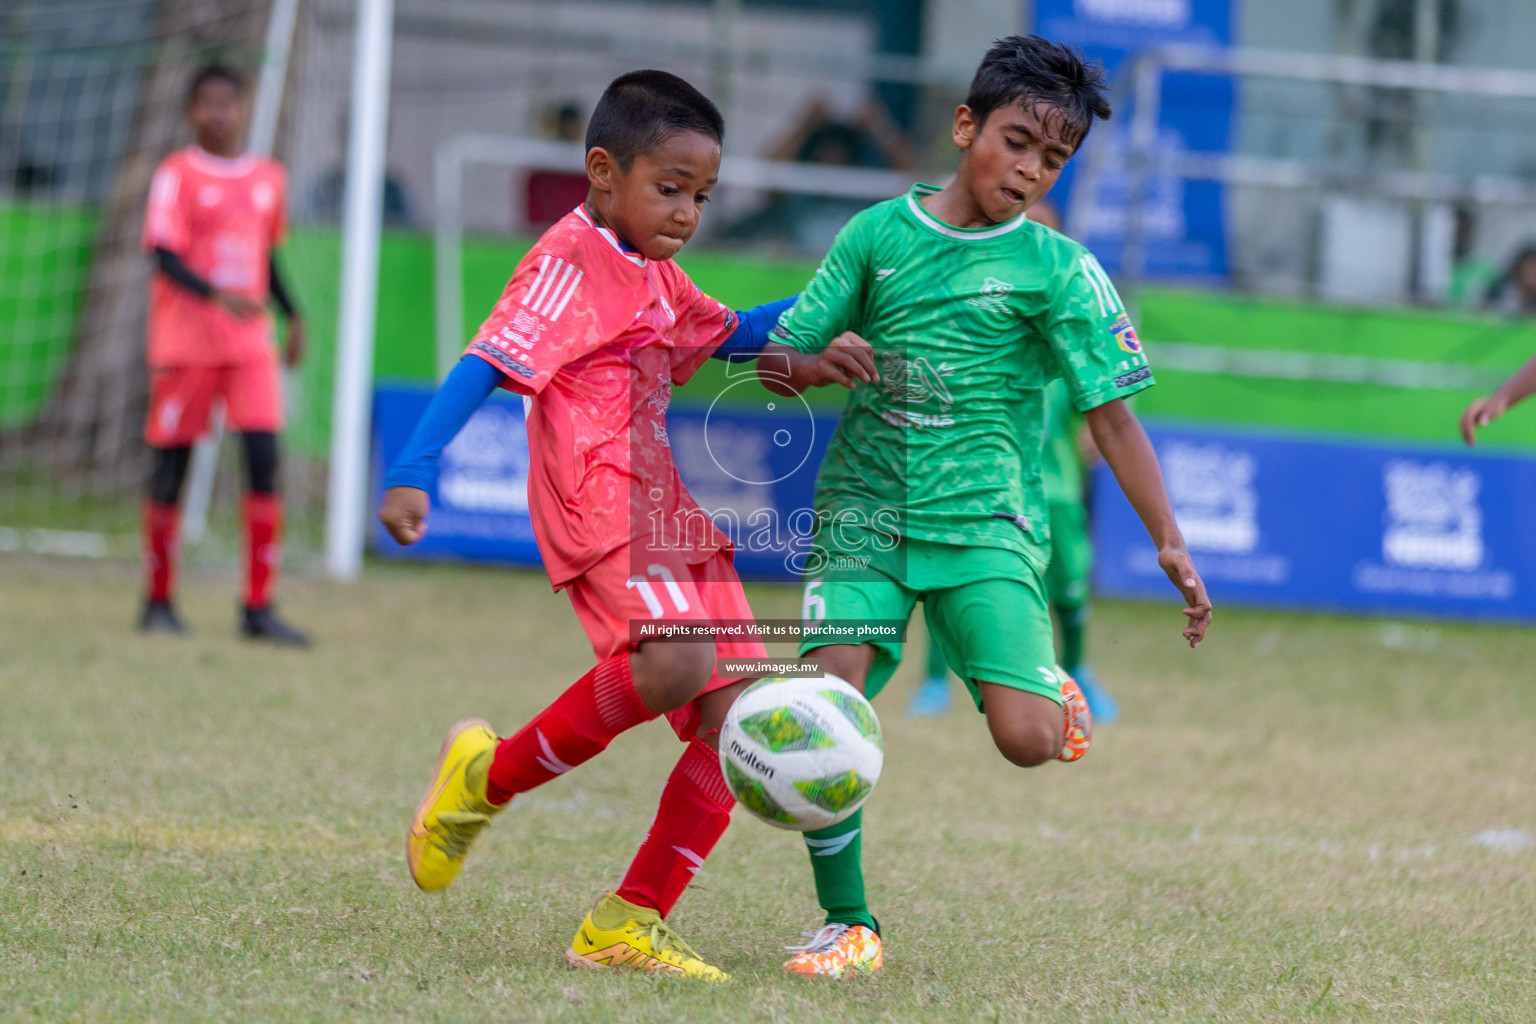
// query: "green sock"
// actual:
[[1074, 625], [937, 669], [835, 859]]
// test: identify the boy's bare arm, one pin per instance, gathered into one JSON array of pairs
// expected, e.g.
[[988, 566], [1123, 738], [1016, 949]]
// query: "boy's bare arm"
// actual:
[[1127, 449], [847, 360], [1485, 410]]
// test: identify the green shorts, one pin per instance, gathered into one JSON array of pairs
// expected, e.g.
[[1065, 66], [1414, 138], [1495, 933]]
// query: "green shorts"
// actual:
[[1067, 580], [986, 610]]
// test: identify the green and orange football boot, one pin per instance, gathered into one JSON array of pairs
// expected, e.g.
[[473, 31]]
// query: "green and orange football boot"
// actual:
[[455, 809], [1077, 722], [618, 933]]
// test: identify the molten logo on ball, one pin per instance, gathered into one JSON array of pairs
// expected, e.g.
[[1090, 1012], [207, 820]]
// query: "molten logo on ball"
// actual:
[[801, 753]]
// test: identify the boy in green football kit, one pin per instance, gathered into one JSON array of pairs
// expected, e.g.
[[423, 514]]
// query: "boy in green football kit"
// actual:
[[947, 312]]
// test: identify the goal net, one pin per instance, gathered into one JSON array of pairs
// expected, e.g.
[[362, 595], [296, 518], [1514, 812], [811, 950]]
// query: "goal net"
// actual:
[[92, 96]]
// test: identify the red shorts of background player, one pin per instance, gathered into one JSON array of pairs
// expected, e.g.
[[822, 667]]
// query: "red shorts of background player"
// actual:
[[181, 399], [613, 593]]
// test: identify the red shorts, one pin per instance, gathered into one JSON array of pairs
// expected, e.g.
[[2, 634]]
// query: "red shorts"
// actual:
[[610, 596], [181, 400]]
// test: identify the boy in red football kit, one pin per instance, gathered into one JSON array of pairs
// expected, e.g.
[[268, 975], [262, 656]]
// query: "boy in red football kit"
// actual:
[[595, 326], [215, 215]]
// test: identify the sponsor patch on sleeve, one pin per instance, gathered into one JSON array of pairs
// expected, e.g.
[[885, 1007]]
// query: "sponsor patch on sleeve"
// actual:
[[1125, 334], [1125, 380], [503, 359]]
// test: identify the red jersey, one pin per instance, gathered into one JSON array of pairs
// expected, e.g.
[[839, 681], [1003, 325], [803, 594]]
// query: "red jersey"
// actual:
[[596, 336], [223, 218]]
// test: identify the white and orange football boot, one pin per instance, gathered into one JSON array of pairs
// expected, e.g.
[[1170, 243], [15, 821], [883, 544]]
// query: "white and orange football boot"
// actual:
[[1077, 723], [837, 951]]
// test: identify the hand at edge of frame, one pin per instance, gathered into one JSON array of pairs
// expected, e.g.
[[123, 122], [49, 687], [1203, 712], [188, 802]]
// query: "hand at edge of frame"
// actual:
[[1181, 573], [1479, 414]]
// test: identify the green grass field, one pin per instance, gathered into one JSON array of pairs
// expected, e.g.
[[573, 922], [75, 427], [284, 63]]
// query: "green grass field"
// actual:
[[1311, 818]]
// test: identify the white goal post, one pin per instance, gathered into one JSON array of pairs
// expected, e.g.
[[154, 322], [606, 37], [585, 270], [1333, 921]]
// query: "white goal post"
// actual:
[[347, 492]]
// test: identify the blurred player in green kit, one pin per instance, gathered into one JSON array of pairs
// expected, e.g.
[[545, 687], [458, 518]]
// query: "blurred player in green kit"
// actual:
[[1067, 451]]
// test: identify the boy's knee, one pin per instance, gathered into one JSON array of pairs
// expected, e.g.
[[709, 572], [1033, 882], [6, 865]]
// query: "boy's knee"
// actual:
[[668, 676], [1026, 727], [849, 662], [1029, 744]]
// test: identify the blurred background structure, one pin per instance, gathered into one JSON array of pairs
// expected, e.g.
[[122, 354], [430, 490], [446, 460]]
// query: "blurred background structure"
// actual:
[[1325, 211]]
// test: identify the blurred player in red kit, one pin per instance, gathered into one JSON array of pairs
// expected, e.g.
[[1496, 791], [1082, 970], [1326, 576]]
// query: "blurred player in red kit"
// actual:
[[215, 214]]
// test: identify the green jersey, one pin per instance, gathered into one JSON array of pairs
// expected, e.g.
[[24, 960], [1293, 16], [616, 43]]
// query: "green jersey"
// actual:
[[968, 327]]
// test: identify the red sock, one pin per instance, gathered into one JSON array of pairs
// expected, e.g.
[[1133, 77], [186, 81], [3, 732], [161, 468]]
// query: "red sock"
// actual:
[[263, 515], [577, 726], [695, 809], [161, 524]]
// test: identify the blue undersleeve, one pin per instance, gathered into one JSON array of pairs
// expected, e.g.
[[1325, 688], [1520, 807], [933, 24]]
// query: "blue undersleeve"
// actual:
[[465, 390], [752, 327]]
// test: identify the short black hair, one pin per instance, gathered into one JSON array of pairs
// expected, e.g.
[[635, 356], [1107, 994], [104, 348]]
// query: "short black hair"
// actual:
[[214, 73], [1034, 71], [641, 110]]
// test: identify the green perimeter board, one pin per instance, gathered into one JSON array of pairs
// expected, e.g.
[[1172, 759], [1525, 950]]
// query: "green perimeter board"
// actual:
[[36, 323], [45, 255], [1207, 318]]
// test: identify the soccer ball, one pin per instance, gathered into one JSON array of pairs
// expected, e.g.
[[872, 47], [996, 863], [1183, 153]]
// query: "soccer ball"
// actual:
[[801, 753]]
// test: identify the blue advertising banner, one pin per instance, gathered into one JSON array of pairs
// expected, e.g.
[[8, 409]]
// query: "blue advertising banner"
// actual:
[[1288, 521], [480, 505], [1184, 221], [750, 464]]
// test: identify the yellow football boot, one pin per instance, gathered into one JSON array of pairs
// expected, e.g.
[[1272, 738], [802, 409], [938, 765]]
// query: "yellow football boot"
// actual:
[[455, 809], [837, 951], [619, 934]]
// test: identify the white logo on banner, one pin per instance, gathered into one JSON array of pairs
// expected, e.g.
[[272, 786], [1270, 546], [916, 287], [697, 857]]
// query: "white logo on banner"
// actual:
[[1211, 488], [485, 469], [1433, 518], [1163, 13]]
